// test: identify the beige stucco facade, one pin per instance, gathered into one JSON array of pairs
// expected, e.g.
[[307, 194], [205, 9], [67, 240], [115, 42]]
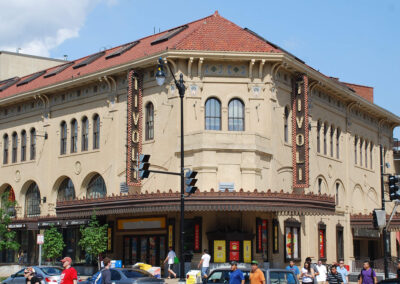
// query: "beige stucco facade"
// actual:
[[17, 64], [256, 158]]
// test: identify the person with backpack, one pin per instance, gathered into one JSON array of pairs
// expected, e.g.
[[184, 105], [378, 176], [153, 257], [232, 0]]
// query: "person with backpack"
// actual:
[[334, 277], [367, 275]]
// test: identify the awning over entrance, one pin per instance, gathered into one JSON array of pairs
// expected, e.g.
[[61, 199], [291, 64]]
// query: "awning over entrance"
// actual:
[[280, 202], [365, 221]]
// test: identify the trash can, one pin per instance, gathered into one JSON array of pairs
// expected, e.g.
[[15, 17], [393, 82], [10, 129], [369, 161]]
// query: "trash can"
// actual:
[[193, 277]]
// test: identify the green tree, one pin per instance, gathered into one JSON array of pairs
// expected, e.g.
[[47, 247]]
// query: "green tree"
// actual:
[[94, 238], [7, 236], [53, 244]]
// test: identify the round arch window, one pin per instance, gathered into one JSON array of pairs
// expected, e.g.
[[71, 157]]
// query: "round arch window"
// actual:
[[7, 200], [96, 188], [32, 200], [66, 191]]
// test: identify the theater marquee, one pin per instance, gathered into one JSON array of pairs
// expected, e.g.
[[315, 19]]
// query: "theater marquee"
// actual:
[[300, 132], [134, 127]]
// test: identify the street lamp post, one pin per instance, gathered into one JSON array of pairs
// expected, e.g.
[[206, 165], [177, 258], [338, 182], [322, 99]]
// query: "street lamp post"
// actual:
[[160, 78]]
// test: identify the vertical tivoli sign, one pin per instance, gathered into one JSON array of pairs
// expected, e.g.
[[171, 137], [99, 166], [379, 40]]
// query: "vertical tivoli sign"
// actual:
[[134, 131], [300, 132]]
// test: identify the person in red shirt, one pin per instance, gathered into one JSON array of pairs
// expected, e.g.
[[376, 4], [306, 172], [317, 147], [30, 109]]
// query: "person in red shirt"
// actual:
[[69, 274]]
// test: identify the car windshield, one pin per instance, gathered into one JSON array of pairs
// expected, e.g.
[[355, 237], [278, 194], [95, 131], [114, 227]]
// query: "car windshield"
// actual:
[[51, 271], [136, 273]]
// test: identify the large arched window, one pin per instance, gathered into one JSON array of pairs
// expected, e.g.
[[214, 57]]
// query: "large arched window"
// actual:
[[8, 201], [338, 143], [32, 200], [33, 144], [14, 147], [236, 115], [213, 114], [319, 137], [96, 131], [23, 145], [66, 191], [63, 135], [286, 124], [5, 149], [96, 188], [85, 133], [149, 121], [74, 136]]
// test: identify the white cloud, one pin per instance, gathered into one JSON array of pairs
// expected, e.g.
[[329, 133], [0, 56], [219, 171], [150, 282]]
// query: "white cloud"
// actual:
[[37, 26]]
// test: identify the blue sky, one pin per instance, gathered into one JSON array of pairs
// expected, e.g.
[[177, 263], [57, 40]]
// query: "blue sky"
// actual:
[[357, 41]]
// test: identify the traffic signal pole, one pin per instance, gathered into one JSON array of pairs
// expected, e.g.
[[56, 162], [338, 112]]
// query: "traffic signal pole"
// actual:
[[384, 232]]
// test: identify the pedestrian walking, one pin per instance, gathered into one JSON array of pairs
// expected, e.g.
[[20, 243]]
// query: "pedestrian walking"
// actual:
[[367, 275], [106, 273], [334, 277], [256, 275], [21, 257], [69, 274], [343, 271], [295, 270], [322, 272], [30, 276], [236, 275], [204, 264], [314, 267], [171, 260], [307, 273]]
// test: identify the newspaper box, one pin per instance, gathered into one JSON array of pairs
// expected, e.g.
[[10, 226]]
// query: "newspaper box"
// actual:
[[193, 277]]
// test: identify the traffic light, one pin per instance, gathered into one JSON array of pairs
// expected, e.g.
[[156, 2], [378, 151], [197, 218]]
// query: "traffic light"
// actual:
[[394, 191], [144, 166], [190, 182], [379, 218]]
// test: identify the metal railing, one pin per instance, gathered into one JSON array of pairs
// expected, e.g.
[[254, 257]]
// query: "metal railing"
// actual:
[[377, 265]]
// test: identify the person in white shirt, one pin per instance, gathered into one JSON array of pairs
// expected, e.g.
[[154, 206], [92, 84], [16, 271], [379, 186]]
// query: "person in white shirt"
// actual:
[[322, 272], [171, 259], [204, 264]]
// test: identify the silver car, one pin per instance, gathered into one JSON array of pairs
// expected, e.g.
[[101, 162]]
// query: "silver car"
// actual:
[[46, 274], [127, 276]]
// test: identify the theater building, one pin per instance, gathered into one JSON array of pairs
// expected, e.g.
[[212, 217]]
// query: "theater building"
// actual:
[[288, 159]]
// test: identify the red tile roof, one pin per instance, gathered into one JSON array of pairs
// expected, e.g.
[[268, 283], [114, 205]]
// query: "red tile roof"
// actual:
[[363, 91], [211, 33]]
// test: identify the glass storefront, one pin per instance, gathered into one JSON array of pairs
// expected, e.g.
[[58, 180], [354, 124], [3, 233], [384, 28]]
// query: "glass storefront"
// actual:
[[147, 249]]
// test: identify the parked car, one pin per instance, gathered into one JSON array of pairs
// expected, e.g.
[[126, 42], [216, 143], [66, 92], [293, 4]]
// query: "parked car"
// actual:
[[127, 276], [272, 276], [46, 274]]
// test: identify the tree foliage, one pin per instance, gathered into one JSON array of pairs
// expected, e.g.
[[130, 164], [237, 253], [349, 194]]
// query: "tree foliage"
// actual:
[[7, 236], [94, 237], [53, 244]]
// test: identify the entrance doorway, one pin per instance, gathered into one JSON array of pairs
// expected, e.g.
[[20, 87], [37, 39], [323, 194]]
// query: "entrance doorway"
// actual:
[[146, 249]]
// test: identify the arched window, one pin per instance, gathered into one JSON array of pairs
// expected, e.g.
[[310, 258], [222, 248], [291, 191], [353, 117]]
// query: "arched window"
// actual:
[[338, 143], [236, 115], [96, 131], [149, 121], [371, 149], [33, 143], [355, 149], [63, 141], [361, 151], [337, 193], [96, 188], [23, 145], [8, 201], [332, 139], [286, 125], [14, 147], [213, 114], [319, 137], [85, 133], [325, 142], [66, 191], [366, 154], [74, 136], [5, 149], [32, 201]]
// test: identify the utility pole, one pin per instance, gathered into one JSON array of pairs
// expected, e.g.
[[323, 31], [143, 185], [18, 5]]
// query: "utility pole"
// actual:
[[385, 243]]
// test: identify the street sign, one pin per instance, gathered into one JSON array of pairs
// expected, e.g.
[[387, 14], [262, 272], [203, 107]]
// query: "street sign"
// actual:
[[40, 239]]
